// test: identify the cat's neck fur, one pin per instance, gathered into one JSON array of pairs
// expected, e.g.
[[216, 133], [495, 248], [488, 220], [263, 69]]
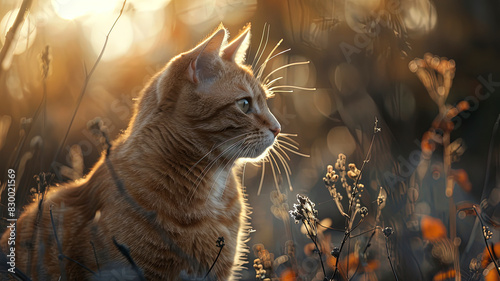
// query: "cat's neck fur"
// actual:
[[173, 164]]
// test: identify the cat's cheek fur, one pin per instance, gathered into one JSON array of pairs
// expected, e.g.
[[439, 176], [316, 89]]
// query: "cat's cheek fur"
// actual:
[[165, 168]]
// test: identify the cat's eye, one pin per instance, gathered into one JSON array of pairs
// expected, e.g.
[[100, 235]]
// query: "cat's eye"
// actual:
[[244, 105]]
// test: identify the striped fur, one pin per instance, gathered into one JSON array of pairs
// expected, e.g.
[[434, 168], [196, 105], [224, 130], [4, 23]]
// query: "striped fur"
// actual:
[[176, 162]]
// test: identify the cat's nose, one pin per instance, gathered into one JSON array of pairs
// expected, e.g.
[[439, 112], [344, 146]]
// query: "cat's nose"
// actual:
[[275, 131]]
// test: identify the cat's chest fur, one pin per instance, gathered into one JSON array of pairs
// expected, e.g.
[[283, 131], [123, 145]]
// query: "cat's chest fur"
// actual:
[[166, 190], [218, 186]]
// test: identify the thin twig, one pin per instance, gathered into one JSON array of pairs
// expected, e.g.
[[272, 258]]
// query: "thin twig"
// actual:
[[220, 244], [351, 210], [95, 257], [490, 152], [125, 251], [486, 240], [62, 256], [317, 248], [11, 34], [389, 258], [59, 247], [88, 76], [346, 235]]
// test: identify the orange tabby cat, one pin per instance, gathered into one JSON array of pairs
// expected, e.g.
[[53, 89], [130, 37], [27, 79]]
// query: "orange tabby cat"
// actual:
[[175, 190]]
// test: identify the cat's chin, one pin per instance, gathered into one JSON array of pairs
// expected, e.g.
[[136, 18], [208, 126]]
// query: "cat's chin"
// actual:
[[254, 157]]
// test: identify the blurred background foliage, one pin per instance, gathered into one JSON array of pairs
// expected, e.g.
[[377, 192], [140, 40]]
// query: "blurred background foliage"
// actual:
[[359, 52]]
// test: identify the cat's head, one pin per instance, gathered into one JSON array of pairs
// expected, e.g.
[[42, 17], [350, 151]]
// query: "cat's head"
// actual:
[[213, 100]]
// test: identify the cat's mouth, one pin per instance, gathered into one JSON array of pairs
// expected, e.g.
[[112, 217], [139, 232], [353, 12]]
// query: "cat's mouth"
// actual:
[[248, 147], [258, 150]]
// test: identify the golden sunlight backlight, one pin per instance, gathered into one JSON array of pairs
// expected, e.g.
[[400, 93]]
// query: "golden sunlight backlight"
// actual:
[[119, 41], [196, 11], [72, 9], [148, 5]]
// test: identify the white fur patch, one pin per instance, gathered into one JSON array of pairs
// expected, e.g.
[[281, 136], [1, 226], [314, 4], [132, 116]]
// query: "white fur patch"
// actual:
[[219, 186]]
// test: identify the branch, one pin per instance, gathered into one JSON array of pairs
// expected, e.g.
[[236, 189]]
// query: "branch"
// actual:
[[125, 251], [220, 244], [62, 255], [11, 34], [88, 76]]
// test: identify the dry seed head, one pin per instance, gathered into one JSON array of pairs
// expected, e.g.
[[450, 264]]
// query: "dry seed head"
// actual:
[[487, 233], [329, 169], [352, 175]]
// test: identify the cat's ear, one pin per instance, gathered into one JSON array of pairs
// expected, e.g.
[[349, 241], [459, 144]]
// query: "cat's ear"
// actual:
[[201, 67], [236, 50]]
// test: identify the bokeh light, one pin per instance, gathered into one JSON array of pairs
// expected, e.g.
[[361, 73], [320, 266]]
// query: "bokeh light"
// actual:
[[147, 25], [340, 140], [420, 16], [119, 42], [72, 9], [196, 12], [324, 103], [234, 12], [148, 5]]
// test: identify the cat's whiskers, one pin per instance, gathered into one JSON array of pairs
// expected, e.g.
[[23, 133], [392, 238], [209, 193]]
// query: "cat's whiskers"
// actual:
[[284, 66], [225, 171], [262, 175], [257, 55], [264, 64], [277, 155], [212, 150], [291, 87], [205, 171], [269, 84], [288, 171], [292, 148], [262, 67], [273, 164]]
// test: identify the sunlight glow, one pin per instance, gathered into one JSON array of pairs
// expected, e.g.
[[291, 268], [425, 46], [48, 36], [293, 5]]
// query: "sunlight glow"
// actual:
[[120, 41], [196, 11], [147, 25], [72, 9], [148, 5]]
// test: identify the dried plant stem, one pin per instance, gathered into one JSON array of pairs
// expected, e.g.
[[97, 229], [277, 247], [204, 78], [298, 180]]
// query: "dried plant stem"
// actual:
[[490, 153], [11, 34], [346, 236], [213, 264], [314, 238], [449, 193], [352, 211], [389, 258], [61, 254], [125, 251], [95, 257], [88, 76], [492, 257], [59, 248]]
